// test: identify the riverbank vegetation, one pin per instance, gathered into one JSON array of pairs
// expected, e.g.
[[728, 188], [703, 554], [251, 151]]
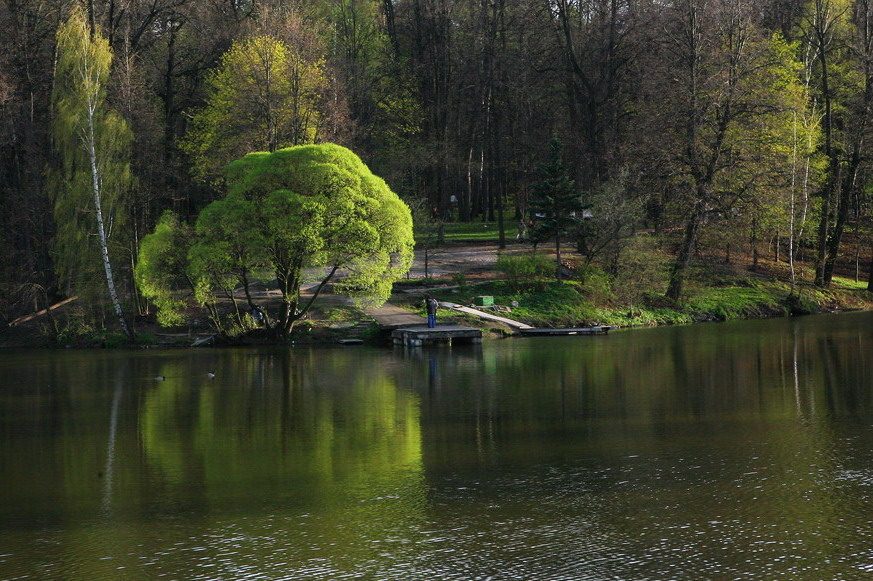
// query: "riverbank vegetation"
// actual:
[[676, 161]]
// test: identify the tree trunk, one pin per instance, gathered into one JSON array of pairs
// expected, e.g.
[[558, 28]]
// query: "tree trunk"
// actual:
[[870, 279], [92, 25], [683, 259], [844, 202], [822, 238], [292, 316], [558, 256], [101, 231]]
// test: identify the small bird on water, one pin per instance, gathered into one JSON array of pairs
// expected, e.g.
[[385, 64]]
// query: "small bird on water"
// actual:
[[160, 378], [210, 375]]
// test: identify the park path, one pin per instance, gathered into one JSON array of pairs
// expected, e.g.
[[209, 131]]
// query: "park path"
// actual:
[[390, 316]]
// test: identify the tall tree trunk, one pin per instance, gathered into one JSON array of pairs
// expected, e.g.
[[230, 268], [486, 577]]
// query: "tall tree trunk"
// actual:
[[824, 227], [558, 256], [870, 275], [92, 24], [390, 27], [842, 213], [101, 231], [686, 251], [822, 39]]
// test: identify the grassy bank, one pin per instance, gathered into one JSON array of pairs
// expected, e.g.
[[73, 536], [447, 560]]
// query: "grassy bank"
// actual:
[[574, 303]]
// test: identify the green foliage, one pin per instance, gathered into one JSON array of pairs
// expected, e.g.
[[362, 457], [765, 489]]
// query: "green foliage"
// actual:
[[161, 268], [81, 77], [596, 284], [460, 280], [264, 95], [610, 226], [555, 202], [229, 242], [522, 269], [312, 207], [345, 216], [643, 268]]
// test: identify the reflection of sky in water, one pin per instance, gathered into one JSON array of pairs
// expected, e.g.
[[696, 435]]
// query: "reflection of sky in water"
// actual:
[[708, 451]]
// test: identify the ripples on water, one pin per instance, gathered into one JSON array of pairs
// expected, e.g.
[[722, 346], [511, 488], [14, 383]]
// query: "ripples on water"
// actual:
[[719, 451]]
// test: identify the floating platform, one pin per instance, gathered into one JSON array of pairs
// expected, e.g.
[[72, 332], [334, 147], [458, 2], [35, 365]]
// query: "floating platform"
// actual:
[[598, 330], [422, 335]]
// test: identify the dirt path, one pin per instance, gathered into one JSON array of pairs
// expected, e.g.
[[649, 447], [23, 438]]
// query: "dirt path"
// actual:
[[390, 316]]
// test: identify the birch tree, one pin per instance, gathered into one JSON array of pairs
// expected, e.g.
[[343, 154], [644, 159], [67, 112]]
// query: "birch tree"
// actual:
[[92, 144]]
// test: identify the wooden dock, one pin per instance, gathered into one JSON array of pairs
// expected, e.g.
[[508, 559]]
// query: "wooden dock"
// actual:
[[546, 332], [419, 335]]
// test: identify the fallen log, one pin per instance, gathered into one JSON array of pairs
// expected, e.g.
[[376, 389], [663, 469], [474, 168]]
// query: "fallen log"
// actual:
[[45, 311]]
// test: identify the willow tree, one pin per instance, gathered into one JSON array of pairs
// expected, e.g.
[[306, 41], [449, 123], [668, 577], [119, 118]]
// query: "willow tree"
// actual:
[[264, 95], [305, 214], [92, 176]]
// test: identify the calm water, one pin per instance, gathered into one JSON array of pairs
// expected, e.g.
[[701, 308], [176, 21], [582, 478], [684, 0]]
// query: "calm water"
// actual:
[[716, 451]]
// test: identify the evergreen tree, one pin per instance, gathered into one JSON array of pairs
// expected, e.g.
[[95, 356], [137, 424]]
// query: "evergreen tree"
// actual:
[[92, 176], [555, 204]]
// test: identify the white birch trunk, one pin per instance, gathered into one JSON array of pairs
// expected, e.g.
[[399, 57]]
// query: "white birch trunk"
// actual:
[[101, 231], [792, 210]]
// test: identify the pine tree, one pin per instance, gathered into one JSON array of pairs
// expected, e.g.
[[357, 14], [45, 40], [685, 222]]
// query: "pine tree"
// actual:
[[92, 176], [555, 204]]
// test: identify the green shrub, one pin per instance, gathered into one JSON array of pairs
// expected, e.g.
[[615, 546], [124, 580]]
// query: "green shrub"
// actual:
[[521, 269], [596, 284], [643, 269]]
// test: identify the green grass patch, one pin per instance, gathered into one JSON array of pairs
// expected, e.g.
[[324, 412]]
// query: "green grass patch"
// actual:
[[738, 302], [850, 283], [565, 304], [478, 231]]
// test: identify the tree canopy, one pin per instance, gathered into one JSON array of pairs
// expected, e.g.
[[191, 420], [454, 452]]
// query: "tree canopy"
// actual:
[[263, 95], [304, 214]]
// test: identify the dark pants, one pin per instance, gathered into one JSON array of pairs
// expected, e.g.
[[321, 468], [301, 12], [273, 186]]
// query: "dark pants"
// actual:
[[431, 321]]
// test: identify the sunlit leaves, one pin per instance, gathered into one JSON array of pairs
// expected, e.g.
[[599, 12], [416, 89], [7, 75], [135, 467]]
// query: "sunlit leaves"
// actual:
[[81, 77], [297, 212], [264, 95]]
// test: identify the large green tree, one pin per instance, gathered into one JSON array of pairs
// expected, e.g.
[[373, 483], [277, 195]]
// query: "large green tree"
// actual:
[[312, 213], [715, 125], [92, 175]]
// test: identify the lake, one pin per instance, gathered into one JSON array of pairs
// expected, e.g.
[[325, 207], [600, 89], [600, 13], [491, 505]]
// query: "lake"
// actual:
[[732, 450]]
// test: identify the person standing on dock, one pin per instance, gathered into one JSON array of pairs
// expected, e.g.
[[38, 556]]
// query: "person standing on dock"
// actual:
[[431, 304]]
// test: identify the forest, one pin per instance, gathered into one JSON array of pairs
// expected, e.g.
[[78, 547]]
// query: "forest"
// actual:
[[704, 130]]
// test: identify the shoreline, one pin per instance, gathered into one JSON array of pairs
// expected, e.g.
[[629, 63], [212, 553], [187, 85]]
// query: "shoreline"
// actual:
[[623, 318]]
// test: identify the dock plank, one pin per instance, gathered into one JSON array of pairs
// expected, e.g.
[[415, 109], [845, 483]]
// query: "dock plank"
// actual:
[[517, 325]]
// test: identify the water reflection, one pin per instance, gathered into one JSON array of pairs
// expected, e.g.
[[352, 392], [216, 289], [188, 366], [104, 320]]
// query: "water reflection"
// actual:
[[718, 450]]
